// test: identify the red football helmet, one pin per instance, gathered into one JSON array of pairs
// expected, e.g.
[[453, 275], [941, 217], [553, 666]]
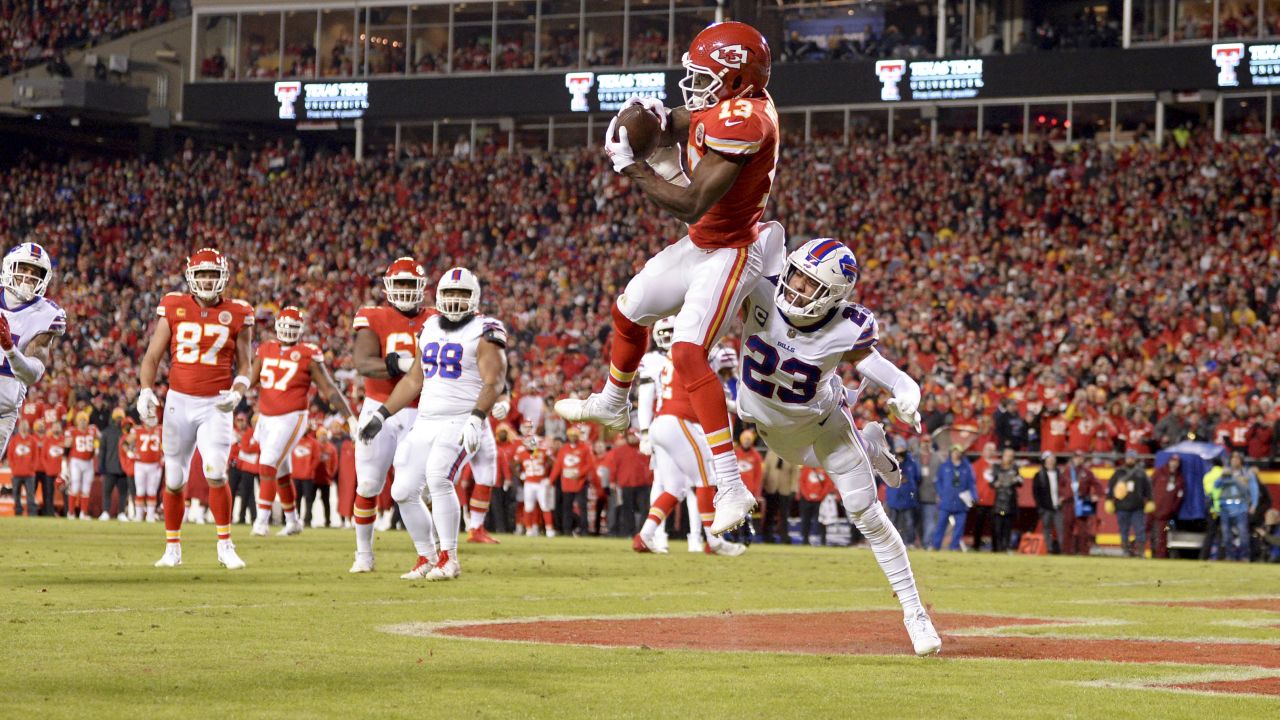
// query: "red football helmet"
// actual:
[[726, 60], [207, 274], [289, 325], [405, 284]]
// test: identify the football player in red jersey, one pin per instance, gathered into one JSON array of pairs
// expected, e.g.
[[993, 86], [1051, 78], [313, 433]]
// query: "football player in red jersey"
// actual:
[[144, 443], [386, 348], [81, 444], [731, 128], [286, 369], [208, 339]]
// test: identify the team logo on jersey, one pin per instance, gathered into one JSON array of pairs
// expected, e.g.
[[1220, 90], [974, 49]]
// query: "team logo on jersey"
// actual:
[[182, 312], [730, 56], [295, 355], [224, 317], [698, 134]]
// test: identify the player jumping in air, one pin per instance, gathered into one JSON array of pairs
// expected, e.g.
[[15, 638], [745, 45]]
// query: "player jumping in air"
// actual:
[[731, 129], [208, 339]]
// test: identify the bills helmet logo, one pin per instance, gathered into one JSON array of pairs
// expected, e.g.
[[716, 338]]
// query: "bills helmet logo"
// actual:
[[849, 268], [730, 56]]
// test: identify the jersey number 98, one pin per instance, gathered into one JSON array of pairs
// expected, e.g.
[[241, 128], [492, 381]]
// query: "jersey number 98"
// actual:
[[444, 359]]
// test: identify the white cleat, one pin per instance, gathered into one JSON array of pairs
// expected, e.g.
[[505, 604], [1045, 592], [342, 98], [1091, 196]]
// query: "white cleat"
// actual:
[[532, 532], [923, 637], [733, 504], [290, 528], [363, 563], [882, 457], [105, 516], [551, 532], [122, 517], [728, 549], [172, 556], [593, 409], [260, 530], [446, 568], [227, 556], [419, 572], [642, 544]]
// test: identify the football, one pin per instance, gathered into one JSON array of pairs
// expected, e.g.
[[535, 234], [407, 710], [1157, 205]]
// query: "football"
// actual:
[[643, 129]]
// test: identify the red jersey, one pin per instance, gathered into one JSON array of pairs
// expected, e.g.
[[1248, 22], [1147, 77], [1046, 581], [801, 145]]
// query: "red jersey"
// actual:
[[146, 445], [306, 456], [127, 458], [814, 484], [245, 453], [81, 442], [51, 453], [23, 453], [575, 466], [32, 410], [675, 399], [202, 342], [533, 464], [285, 376], [1233, 434], [1053, 434], [742, 128], [396, 333]]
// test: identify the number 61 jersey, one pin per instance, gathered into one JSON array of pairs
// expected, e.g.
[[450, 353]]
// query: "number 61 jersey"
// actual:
[[789, 371], [448, 359]]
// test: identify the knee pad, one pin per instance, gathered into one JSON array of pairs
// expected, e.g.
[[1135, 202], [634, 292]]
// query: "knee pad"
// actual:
[[175, 475], [402, 492], [441, 485], [857, 502]]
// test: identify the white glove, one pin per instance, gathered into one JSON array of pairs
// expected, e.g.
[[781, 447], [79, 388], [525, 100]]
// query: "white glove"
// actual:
[[228, 400], [500, 409], [906, 410], [653, 105], [646, 445], [147, 405], [471, 433], [619, 151], [353, 426]]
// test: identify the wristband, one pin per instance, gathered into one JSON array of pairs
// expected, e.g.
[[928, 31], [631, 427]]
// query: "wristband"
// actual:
[[240, 379], [384, 412], [480, 413]]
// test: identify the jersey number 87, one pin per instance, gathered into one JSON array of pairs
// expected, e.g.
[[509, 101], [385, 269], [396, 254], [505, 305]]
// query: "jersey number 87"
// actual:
[[187, 338]]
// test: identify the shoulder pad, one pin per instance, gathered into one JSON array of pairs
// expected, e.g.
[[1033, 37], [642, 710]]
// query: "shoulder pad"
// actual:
[[494, 332]]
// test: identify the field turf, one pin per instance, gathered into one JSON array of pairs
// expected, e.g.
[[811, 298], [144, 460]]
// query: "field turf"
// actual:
[[89, 629]]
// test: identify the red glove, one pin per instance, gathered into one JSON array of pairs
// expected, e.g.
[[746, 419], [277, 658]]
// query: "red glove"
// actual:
[[6, 338]]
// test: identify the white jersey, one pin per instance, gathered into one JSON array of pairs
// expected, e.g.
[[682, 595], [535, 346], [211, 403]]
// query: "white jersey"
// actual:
[[656, 367], [788, 373], [26, 322], [449, 360]]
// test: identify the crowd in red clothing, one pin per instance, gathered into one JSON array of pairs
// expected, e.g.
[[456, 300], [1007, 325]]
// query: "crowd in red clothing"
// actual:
[[34, 32]]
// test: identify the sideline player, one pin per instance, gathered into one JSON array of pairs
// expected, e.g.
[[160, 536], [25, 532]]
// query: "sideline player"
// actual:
[[286, 370], [732, 134], [533, 468], [385, 349], [796, 335], [680, 454], [28, 323], [207, 338], [144, 443], [81, 444], [463, 370]]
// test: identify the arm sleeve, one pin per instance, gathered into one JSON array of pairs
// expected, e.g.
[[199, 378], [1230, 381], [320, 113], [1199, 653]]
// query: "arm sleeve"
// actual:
[[28, 370], [887, 375], [646, 396]]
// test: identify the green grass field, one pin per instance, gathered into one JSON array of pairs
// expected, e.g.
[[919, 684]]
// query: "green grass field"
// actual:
[[90, 629]]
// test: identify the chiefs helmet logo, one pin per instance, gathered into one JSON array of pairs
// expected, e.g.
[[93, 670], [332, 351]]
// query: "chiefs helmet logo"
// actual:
[[730, 56]]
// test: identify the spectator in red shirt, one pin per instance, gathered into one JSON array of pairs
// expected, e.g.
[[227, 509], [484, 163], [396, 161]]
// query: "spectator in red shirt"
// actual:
[[574, 469], [22, 456], [814, 486], [1260, 436], [347, 481], [628, 472], [984, 472], [306, 458], [49, 467], [243, 467], [502, 501], [326, 470]]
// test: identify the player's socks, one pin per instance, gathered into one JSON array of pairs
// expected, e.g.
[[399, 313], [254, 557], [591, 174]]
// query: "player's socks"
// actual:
[[658, 513], [288, 498], [706, 504], [266, 494], [548, 521], [630, 341], [365, 512], [173, 513], [707, 397], [446, 511], [479, 505], [220, 506], [73, 506], [417, 520], [891, 553]]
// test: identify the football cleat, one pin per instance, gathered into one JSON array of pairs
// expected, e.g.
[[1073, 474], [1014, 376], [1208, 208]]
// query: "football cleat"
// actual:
[[172, 556], [733, 505], [227, 556], [923, 637], [363, 563], [446, 567], [727, 549], [481, 536], [593, 409], [882, 458], [291, 528], [259, 530], [420, 569], [641, 544], [551, 532]]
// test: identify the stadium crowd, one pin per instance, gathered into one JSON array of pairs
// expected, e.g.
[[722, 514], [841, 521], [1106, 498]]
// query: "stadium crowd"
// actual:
[[1097, 299], [36, 32]]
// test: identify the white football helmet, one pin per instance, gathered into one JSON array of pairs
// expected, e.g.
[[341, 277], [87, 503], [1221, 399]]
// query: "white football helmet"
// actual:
[[664, 333], [724, 357], [833, 271], [455, 306], [26, 271]]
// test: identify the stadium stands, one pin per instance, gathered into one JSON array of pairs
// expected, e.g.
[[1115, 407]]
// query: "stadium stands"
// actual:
[[35, 32]]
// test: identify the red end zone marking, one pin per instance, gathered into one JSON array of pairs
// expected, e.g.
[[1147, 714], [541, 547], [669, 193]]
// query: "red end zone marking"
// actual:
[[1259, 686], [1269, 604], [874, 633]]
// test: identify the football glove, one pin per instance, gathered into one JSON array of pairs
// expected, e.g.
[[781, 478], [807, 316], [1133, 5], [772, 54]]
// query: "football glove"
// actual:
[[6, 337], [227, 400], [472, 431], [619, 151], [394, 368], [907, 410], [501, 409], [653, 105], [147, 405], [372, 425], [646, 444]]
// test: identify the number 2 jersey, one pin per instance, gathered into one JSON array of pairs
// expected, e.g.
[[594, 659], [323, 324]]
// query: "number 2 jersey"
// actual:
[[26, 321], [286, 376], [745, 130], [670, 396], [448, 355], [396, 332], [788, 372], [202, 342]]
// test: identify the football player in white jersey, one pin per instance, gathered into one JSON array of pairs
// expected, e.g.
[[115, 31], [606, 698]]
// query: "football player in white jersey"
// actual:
[[28, 323], [462, 368], [798, 329]]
